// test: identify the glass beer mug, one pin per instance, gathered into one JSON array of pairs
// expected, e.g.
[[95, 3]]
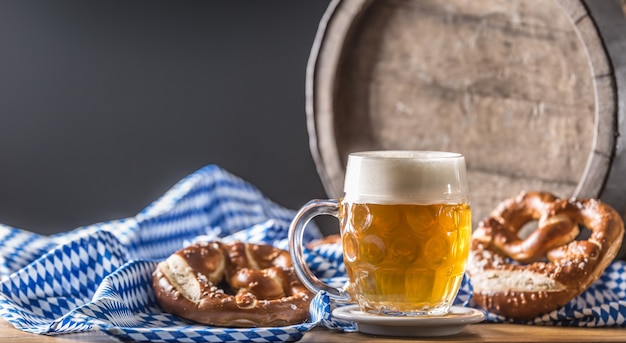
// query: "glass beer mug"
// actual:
[[405, 225]]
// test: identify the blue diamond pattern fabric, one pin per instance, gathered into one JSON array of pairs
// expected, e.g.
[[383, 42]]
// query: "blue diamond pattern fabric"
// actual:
[[98, 277]]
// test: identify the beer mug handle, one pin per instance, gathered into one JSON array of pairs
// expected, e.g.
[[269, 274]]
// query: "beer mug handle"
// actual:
[[296, 233]]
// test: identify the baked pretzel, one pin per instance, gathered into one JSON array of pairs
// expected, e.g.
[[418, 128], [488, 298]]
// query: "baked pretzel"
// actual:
[[330, 239], [235, 285], [524, 278]]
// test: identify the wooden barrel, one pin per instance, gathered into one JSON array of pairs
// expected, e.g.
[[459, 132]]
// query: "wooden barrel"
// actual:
[[532, 92]]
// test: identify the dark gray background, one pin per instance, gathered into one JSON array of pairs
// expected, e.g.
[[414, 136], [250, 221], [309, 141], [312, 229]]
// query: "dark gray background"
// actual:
[[105, 105]]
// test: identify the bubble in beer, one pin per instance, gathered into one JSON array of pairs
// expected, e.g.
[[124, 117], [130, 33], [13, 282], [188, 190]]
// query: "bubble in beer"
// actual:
[[372, 249]]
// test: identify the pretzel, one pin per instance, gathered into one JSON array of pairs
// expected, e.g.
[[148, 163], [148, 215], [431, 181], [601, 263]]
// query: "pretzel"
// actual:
[[235, 285], [524, 278], [330, 239]]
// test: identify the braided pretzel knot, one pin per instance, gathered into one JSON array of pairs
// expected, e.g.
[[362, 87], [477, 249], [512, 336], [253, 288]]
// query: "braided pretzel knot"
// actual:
[[523, 278], [236, 285]]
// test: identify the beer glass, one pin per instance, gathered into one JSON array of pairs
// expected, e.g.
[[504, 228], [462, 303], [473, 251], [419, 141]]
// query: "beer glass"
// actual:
[[405, 225]]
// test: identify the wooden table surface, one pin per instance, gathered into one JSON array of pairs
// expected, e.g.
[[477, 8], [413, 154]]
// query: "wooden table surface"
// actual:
[[483, 332]]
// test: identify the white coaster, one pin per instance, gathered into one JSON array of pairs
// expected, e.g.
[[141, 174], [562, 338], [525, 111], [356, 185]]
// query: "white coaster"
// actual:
[[449, 324]]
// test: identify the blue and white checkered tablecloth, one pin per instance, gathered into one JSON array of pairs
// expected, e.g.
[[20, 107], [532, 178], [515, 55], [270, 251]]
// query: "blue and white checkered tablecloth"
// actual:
[[98, 277]]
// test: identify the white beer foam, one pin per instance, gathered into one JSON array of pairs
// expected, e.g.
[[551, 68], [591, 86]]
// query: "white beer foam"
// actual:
[[422, 177]]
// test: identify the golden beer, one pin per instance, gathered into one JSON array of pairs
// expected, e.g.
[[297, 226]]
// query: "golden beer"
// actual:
[[405, 225], [405, 258]]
